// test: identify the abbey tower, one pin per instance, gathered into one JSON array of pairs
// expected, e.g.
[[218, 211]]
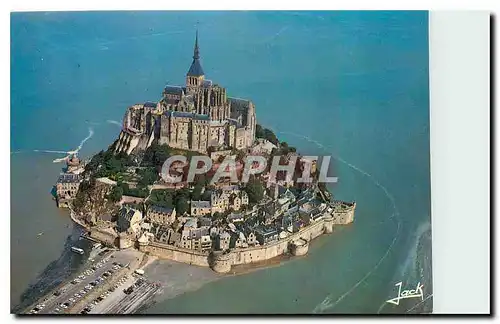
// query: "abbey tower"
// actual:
[[193, 117]]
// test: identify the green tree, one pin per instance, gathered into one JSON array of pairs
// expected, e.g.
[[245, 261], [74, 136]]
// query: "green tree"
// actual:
[[207, 195], [181, 201], [270, 136], [254, 190], [148, 177], [217, 216], [155, 155], [284, 148], [181, 205], [162, 197], [196, 194], [161, 155], [259, 131], [116, 194]]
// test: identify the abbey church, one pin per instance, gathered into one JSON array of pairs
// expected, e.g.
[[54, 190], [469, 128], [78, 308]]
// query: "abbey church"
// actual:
[[193, 117]]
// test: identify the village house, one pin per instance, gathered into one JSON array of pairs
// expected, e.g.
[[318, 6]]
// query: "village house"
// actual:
[[191, 223], [238, 240], [206, 243], [224, 240], [66, 188], [266, 235], [262, 147], [185, 241], [160, 233], [251, 238], [160, 215], [129, 221], [235, 217], [201, 241], [73, 165], [229, 197], [204, 222], [312, 161], [196, 239], [200, 208]]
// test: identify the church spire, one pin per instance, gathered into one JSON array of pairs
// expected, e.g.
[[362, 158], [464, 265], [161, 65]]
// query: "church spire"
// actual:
[[196, 54], [196, 70]]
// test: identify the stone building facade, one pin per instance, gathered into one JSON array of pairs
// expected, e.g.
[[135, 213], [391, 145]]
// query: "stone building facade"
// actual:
[[229, 197], [66, 188], [160, 215], [223, 250], [200, 208], [192, 117]]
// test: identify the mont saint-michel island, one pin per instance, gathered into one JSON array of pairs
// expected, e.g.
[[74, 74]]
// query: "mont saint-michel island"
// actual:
[[194, 180]]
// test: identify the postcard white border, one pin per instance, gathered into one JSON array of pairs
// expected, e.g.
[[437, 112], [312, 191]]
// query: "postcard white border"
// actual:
[[460, 92]]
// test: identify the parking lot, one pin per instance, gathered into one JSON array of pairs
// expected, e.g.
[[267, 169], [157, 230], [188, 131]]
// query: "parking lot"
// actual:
[[83, 284], [95, 303], [127, 296]]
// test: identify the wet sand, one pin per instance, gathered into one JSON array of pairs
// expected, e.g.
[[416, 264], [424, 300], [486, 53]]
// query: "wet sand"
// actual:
[[178, 278]]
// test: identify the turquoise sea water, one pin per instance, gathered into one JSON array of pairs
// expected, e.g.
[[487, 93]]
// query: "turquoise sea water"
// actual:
[[353, 85]]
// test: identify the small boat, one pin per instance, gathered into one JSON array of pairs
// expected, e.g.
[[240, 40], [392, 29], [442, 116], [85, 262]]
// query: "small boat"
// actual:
[[77, 250], [40, 234]]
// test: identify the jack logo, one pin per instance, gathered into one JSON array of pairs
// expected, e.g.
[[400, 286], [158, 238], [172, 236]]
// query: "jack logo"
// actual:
[[405, 294]]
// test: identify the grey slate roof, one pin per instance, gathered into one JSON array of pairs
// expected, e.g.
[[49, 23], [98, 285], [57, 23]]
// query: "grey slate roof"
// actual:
[[200, 204], [239, 103], [266, 231], [196, 69], [234, 216], [69, 178], [234, 122], [205, 221], [207, 83], [160, 209], [201, 117], [177, 90]]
